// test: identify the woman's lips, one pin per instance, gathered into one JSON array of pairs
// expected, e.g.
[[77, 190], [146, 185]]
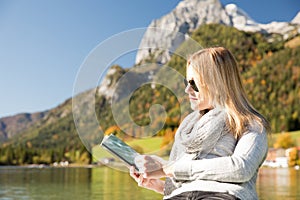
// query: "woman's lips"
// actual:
[[193, 98]]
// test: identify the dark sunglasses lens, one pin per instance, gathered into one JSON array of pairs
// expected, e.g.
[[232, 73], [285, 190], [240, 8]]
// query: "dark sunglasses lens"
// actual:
[[193, 85]]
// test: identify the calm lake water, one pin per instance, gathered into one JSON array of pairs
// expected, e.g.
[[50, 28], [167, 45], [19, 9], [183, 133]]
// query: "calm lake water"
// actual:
[[104, 183]]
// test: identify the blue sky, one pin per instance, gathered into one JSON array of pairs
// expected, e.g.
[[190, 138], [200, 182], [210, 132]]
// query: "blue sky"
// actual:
[[43, 43]]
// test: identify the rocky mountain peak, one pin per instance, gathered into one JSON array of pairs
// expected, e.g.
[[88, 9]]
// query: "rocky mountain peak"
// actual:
[[240, 19], [186, 17], [106, 87], [296, 19], [189, 15]]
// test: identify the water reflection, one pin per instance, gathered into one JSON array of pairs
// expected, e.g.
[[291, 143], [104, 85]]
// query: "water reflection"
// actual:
[[112, 184], [46, 183], [106, 184], [279, 183]]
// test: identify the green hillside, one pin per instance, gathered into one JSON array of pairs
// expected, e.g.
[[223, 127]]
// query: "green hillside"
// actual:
[[55, 139], [143, 146], [274, 88], [270, 71]]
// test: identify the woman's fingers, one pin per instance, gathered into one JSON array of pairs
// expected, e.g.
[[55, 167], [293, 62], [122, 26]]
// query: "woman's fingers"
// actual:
[[159, 159], [141, 181], [147, 163], [149, 166], [154, 174], [144, 182], [134, 174]]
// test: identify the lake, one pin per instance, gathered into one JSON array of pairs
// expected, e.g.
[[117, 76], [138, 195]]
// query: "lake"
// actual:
[[105, 183]]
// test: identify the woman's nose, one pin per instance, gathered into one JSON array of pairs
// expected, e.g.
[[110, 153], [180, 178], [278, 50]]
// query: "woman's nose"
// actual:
[[188, 89]]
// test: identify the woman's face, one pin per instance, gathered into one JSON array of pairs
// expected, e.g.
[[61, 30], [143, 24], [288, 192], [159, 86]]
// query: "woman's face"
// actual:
[[198, 101]]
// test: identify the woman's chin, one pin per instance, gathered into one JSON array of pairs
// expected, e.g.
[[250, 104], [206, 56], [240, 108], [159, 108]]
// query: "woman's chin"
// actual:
[[194, 107]]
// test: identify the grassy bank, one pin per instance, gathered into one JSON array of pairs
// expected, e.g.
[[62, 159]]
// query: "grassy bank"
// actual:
[[150, 145], [294, 134]]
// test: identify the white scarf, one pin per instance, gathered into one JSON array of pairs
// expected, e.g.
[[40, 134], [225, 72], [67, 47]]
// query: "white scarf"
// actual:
[[202, 133], [197, 134]]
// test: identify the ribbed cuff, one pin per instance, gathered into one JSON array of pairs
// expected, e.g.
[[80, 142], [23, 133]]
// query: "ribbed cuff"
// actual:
[[182, 170]]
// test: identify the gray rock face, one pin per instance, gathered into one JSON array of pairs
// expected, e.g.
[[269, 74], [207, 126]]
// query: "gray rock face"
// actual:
[[240, 20], [296, 19], [106, 87], [162, 37], [186, 17]]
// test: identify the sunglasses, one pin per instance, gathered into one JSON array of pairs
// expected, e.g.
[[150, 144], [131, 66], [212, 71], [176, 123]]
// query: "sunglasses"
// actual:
[[192, 84]]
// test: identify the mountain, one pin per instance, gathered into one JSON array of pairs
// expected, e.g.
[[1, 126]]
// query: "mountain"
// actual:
[[296, 19], [269, 66], [191, 14], [13, 125]]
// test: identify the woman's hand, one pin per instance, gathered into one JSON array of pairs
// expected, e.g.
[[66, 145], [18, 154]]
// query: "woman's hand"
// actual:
[[150, 166], [156, 185]]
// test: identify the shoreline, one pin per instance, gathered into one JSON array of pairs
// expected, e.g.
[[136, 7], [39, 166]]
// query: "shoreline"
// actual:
[[40, 166]]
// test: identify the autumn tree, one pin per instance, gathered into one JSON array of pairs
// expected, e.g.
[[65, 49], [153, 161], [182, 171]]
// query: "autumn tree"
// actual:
[[284, 140]]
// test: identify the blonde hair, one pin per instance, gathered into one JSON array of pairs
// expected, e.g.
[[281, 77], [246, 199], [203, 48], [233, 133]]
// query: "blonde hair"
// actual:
[[218, 75]]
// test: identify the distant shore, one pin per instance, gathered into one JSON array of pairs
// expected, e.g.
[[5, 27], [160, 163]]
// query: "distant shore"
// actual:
[[72, 165]]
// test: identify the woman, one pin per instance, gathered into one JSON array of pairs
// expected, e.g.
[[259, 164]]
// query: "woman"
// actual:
[[218, 148]]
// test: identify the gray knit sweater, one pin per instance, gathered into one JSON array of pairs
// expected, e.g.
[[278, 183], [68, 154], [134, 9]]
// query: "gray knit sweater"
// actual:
[[229, 167]]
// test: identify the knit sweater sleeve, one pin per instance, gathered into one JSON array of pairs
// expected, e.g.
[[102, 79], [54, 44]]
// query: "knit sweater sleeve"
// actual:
[[240, 167]]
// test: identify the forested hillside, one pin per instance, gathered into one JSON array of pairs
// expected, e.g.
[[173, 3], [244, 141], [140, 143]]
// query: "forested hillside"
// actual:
[[274, 88], [270, 72]]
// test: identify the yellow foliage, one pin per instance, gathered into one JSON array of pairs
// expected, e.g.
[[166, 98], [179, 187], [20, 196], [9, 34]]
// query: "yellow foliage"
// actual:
[[55, 137], [168, 137], [84, 158], [284, 140], [270, 53], [28, 144], [112, 129], [295, 115], [293, 43], [250, 80], [293, 156]]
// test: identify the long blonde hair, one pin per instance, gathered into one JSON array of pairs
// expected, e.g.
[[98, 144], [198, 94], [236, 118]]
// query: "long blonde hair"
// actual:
[[218, 75]]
